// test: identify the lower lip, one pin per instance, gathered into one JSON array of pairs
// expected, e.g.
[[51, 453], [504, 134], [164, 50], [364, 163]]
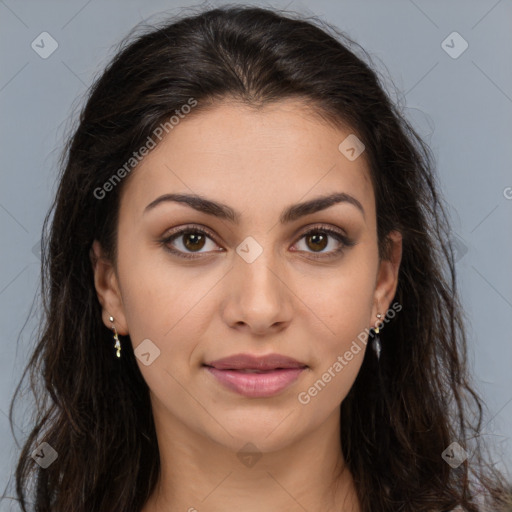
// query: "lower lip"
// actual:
[[256, 385]]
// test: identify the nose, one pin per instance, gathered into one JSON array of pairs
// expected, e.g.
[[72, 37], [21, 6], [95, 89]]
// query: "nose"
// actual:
[[257, 296]]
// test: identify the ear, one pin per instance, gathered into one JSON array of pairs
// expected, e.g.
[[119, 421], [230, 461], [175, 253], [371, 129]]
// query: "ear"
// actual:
[[387, 276], [107, 288]]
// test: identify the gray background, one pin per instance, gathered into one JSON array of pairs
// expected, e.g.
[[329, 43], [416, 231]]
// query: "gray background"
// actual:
[[462, 106]]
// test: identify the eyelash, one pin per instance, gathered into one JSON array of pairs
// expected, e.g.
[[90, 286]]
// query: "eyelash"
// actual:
[[193, 229]]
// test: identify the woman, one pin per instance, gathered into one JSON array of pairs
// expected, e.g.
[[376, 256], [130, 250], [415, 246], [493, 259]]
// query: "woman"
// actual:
[[250, 298]]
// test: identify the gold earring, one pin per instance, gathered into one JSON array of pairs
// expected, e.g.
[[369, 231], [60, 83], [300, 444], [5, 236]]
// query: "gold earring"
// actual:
[[377, 347], [377, 330], [117, 346]]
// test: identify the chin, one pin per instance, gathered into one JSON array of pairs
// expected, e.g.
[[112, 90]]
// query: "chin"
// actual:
[[268, 432]]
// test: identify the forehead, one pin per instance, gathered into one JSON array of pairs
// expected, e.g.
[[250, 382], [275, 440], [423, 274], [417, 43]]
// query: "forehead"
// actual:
[[268, 157]]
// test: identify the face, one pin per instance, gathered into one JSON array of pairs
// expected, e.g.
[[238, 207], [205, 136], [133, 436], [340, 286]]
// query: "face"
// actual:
[[263, 278]]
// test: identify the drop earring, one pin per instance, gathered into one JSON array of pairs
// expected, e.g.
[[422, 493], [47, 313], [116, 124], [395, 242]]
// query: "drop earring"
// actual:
[[117, 346], [376, 345]]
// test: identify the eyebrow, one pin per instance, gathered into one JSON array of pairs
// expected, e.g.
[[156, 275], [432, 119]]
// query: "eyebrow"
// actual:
[[290, 214]]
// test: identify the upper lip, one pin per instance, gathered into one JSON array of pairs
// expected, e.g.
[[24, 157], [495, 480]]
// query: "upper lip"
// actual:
[[252, 362]]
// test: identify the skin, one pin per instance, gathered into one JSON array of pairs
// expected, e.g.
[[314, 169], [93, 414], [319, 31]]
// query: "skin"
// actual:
[[258, 162]]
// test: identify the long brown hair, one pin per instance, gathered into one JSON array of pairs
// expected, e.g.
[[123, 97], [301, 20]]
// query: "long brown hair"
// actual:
[[94, 409]]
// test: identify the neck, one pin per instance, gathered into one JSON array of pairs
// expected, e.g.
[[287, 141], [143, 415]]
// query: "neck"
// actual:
[[199, 474]]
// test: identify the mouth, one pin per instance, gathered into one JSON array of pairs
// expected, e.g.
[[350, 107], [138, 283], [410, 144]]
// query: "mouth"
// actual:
[[254, 362], [256, 377]]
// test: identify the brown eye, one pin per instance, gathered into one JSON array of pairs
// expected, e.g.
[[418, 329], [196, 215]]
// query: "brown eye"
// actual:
[[193, 240], [189, 242], [319, 238], [317, 241], [185, 242]]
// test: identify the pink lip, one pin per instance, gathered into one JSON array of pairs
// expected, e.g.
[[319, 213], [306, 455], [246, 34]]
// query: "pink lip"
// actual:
[[252, 362], [256, 385], [277, 373]]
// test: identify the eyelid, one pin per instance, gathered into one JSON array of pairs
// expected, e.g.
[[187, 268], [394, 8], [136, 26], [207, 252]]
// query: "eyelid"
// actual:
[[190, 227], [337, 233], [182, 230]]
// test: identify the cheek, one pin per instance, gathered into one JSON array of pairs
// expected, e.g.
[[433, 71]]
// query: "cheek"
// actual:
[[156, 294], [154, 299], [343, 302], [159, 306], [170, 306]]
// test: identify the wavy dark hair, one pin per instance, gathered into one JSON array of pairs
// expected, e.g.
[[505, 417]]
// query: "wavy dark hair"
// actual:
[[397, 419]]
